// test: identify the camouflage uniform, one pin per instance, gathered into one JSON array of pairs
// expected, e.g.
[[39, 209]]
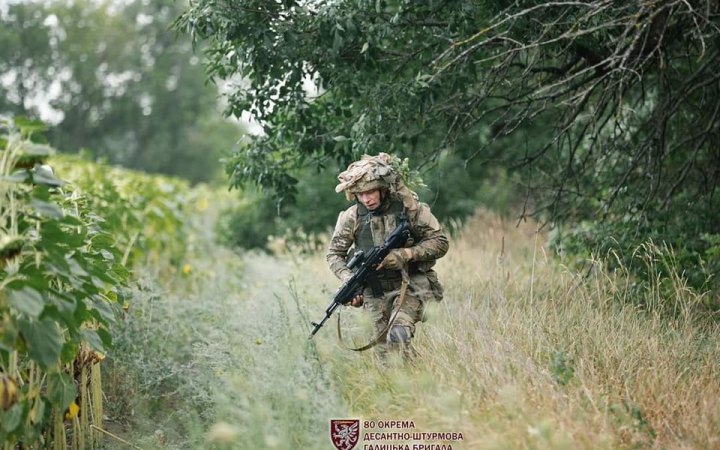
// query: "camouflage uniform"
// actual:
[[361, 229]]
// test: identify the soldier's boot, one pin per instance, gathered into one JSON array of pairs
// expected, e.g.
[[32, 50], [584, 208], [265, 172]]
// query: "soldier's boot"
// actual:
[[399, 339]]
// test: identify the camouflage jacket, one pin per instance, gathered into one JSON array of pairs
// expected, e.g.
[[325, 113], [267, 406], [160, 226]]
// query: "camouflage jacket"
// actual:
[[428, 243]]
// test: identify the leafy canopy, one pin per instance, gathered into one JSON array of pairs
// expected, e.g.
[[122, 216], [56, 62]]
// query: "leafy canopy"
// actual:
[[608, 110]]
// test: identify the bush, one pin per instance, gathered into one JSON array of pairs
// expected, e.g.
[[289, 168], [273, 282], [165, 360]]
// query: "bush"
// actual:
[[316, 206], [248, 224], [652, 245]]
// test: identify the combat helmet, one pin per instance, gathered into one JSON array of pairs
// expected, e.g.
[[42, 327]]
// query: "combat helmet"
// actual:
[[374, 172]]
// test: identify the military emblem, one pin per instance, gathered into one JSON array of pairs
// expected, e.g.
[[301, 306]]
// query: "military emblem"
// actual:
[[344, 433]]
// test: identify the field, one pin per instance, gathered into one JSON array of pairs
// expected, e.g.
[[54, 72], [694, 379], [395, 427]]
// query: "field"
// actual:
[[210, 350], [522, 353], [170, 173]]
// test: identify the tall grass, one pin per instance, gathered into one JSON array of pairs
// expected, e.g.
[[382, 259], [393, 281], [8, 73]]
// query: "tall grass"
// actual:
[[523, 353], [215, 358]]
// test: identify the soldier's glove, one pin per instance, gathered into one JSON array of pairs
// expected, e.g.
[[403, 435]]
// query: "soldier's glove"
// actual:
[[396, 259]]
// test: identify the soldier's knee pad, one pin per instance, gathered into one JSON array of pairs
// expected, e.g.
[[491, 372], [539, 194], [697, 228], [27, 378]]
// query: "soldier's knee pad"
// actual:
[[398, 335]]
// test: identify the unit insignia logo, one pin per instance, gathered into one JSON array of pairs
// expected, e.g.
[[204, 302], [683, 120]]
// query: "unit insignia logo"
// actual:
[[344, 433]]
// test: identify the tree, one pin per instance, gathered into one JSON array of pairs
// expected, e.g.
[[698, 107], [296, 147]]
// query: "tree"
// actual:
[[23, 34], [119, 81], [609, 110]]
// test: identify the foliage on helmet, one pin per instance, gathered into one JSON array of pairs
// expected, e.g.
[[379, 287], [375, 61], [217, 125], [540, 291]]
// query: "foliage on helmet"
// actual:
[[382, 171]]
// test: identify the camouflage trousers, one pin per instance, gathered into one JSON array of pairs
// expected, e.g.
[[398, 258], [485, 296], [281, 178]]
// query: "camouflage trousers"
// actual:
[[411, 310]]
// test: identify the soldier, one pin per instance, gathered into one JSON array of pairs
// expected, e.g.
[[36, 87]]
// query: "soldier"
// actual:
[[382, 199]]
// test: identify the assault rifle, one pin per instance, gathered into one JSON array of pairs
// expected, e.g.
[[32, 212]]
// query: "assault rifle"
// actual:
[[367, 264]]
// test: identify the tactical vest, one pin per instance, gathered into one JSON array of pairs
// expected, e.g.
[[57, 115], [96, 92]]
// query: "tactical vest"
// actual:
[[366, 239]]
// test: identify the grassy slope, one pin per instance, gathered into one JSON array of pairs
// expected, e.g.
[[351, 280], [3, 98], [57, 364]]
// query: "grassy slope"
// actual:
[[520, 354]]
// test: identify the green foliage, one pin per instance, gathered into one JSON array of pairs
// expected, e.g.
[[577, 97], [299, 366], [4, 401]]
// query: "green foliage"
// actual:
[[60, 284], [606, 111], [144, 214], [455, 189], [258, 217], [411, 177], [317, 205], [248, 224], [652, 244], [66, 251], [562, 367], [371, 90], [135, 95]]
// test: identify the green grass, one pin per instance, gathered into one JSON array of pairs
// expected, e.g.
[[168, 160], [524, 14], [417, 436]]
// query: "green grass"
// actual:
[[522, 354], [217, 358]]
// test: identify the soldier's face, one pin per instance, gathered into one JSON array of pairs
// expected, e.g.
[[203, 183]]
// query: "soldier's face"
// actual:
[[370, 199]]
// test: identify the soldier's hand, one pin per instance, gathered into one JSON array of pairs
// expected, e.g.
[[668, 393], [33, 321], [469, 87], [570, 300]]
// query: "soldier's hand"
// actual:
[[357, 301], [396, 259]]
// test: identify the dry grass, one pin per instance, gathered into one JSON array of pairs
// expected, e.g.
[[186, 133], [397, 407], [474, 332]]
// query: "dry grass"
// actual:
[[523, 353]]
